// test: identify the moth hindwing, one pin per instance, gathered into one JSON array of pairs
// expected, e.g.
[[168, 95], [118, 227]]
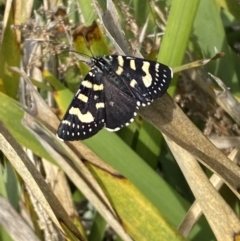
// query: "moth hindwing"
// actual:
[[111, 93]]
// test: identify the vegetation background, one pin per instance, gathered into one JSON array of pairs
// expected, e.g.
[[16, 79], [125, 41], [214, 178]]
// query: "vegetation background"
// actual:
[[136, 184]]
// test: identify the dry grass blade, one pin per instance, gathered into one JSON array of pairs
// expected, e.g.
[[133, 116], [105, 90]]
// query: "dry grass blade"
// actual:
[[20, 161], [195, 211], [174, 124], [107, 18], [59, 184], [226, 100], [197, 63], [18, 230], [223, 221], [224, 142], [112, 25], [5, 19], [39, 108]]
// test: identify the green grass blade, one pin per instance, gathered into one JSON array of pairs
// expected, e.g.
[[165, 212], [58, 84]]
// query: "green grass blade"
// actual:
[[210, 34], [176, 38]]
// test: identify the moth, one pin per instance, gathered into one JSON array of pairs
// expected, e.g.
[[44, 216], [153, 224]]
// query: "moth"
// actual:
[[110, 94]]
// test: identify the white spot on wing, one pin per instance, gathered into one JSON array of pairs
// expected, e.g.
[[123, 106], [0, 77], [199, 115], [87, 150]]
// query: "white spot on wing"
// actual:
[[100, 105], [171, 72], [59, 138], [77, 93], [112, 130], [87, 83], [119, 70], [120, 61], [86, 118], [147, 79], [97, 87], [132, 64], [66, 122], [133, 83], [83, 98]]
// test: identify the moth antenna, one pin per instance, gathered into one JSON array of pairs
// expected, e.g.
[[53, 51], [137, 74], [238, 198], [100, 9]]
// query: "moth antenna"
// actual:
[[86, 59]]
